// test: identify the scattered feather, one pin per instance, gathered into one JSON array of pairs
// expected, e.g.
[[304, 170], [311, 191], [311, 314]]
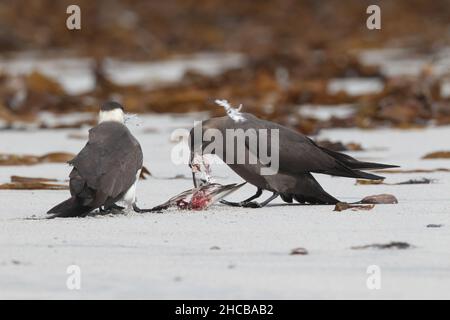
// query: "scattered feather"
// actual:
[[73, 125], [132, 119], [233, 113]]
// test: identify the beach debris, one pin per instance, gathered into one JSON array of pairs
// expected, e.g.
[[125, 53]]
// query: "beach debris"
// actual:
[[27, 160], [20, 263], [299, 251], [199, 198], [150, 130], [175, 177], [411, 181], [340, 146], [413, 170], [179, 177], [437, 155], [390, 245], [74, 125], [341, 206], [78, 136], [417, 181], [28, 183], [40, 83], [380, 199], [432, 225], [32, 186], [368, 182], [19, 179]]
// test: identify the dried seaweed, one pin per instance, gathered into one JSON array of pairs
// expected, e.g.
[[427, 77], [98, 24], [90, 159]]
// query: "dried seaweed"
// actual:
[[368, 182], [339, 146], [390, 245], [32, 186], [20, 179], [33, 183], [78, 136], [73, 125], [341, 206], [416, 181], [437, 155], [27, 160], [407, 182], [394, 171]]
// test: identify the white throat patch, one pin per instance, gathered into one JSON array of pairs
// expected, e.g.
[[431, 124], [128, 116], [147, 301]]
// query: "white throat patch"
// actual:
[[233, 113], [116, 115]]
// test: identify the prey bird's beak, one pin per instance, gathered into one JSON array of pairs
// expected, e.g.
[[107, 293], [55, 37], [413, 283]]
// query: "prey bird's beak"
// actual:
[[194, 179]]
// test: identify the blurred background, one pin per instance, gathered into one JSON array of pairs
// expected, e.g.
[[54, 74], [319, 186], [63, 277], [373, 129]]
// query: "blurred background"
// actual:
[[307, 64], [314, 66]]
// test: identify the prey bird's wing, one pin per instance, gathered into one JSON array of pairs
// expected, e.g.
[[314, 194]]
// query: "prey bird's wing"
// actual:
[[109, 162]]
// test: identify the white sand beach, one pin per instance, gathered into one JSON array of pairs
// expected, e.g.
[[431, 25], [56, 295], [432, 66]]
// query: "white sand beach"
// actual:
[[223, 252]]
